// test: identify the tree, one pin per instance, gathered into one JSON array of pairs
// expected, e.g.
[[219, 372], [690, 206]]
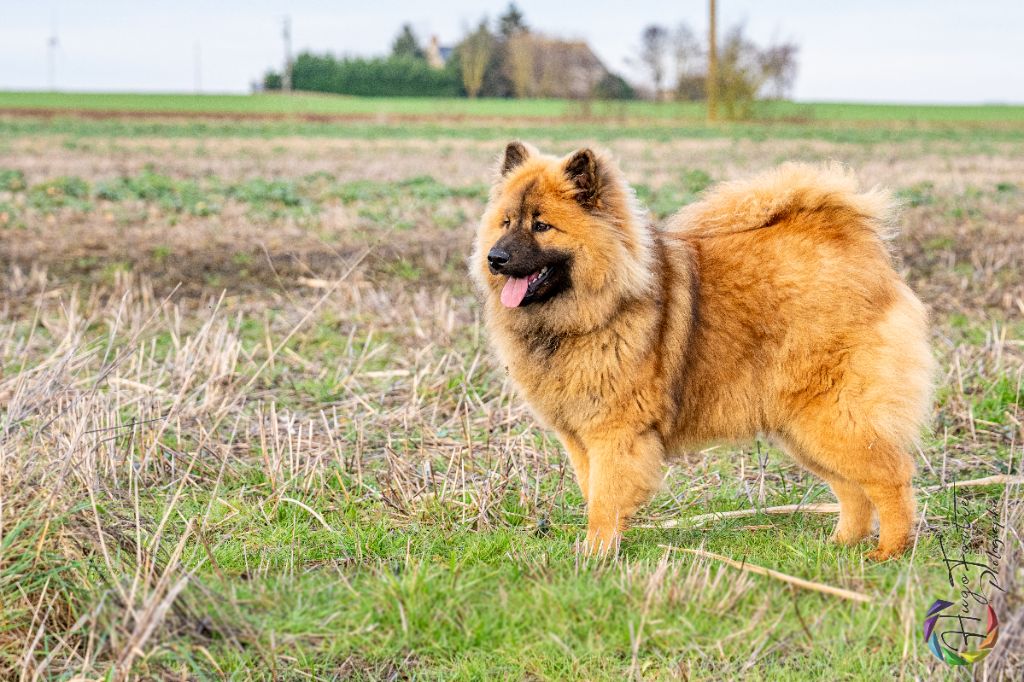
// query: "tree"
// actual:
[[376, 77], [690, 65], [742, 73], [271, 81], [687, 50], [474, 56], [520, 63], [407, 45], [778, 63], [511, 22], [613, 86], [740, 76], [653, 50], [712, 76], [511, 57]]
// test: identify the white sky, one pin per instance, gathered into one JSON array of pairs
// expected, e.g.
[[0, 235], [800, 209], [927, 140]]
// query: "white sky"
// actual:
[[852, 50]]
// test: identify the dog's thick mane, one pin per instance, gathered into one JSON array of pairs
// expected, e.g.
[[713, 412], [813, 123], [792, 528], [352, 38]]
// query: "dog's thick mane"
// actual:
[[767, 198]]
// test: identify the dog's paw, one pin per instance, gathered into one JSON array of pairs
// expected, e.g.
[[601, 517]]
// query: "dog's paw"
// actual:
[[601, 544], [884, 553], [847, 536]]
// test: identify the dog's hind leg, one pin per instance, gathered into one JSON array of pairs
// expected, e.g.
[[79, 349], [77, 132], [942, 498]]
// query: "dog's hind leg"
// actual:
[[625, 472], [864, 470], [855, 512], [895, 503], [855, 509]]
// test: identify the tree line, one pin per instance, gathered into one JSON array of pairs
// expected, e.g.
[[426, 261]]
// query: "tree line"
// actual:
[[393, 76], [509, 59]]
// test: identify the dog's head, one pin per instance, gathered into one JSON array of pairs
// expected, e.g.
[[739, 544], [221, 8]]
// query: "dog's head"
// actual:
[[561, 241]]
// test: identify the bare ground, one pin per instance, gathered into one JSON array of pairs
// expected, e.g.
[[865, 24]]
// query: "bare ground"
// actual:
[[959, 245]]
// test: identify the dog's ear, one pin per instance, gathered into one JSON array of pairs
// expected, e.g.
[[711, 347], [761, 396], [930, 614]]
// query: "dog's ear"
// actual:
[[584, 173], [515, 154]]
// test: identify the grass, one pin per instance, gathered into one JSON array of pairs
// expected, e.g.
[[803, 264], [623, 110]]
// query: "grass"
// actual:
[[974, 136], [321, 104], [266, 440]]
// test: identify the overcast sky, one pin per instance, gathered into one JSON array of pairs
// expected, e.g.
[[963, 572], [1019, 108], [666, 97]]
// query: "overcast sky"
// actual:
[[853, 50]]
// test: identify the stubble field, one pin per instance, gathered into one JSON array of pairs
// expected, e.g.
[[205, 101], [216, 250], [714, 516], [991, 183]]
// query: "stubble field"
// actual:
[[250, 428]]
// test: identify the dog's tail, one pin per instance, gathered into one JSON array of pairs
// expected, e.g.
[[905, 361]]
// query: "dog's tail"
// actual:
[[770, 197]]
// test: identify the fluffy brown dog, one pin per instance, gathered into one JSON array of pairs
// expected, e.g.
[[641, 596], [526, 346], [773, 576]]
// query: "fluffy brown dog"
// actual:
[[771, 307]]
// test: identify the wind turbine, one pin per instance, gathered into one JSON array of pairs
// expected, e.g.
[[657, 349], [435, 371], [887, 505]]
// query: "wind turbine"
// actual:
[[286, 75], [52, 45]]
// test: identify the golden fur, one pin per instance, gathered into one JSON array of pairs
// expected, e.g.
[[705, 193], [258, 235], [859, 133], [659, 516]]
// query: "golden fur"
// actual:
[[769, 307]]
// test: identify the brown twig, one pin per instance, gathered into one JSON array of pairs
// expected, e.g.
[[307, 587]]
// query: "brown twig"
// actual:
[[761, 570], [824, 508], [701, 519], [998, 479]]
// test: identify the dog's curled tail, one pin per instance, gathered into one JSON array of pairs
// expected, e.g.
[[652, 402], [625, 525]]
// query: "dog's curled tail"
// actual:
[[770, 197]]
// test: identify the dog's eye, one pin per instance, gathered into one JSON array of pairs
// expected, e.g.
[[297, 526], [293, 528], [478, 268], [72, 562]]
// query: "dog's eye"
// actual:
[[506, 222], [541, 227]]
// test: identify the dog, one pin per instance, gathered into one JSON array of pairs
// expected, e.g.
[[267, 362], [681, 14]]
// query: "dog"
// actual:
[[770, 306]]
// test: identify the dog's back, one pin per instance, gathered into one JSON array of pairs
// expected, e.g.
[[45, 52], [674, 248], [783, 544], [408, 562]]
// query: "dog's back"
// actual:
[[766, 199]]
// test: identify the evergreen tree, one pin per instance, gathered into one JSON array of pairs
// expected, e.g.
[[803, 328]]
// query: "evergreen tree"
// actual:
[[407, 45], [511, 22]]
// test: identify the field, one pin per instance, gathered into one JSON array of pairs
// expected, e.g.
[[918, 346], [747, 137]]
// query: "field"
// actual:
[[312, 105], [250, 427]]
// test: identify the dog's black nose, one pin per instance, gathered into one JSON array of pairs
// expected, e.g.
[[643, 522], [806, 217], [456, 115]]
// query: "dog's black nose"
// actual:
[[497, 258]]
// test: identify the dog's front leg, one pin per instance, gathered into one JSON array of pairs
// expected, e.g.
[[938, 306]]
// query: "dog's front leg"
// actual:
[[625, 471], [580, 462]]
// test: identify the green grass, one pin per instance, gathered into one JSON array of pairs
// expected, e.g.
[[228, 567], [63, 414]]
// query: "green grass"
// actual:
[[206, 196], [343, 578], [973, 136], [340, 561], [356, 491], [321, 104], [490, 119]]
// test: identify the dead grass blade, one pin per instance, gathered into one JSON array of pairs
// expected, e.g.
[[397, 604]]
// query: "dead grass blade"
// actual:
[[998, 479], [823, 508], [701, 519]]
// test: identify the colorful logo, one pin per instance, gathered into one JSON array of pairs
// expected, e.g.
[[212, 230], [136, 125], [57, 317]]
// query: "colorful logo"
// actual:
[[947, 655]]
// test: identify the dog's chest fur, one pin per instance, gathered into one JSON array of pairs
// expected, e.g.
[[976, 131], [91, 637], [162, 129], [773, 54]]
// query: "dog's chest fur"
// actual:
[[579, 383]]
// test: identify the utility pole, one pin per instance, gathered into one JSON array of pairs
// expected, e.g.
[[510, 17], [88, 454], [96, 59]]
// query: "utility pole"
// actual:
[[286, 74], [712, 83]]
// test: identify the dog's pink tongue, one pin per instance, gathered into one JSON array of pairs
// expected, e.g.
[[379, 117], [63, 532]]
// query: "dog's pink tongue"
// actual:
[[514, 292]]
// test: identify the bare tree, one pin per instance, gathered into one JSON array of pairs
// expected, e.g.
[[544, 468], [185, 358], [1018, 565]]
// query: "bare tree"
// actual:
[[778, 64], [474, 56], [520, 63], [654, 44], [687, 50], [690, 66]]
